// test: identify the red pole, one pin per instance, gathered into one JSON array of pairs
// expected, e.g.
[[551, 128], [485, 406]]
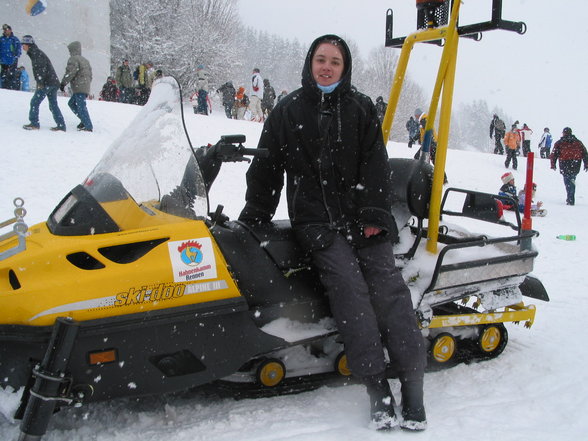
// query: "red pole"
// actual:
[[527, 222]]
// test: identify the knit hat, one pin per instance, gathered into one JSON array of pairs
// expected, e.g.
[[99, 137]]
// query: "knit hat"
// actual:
[[567, 131], [27, 39], [507, 177]]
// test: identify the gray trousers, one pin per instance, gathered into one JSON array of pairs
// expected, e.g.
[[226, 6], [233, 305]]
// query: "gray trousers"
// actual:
[[372, 307]]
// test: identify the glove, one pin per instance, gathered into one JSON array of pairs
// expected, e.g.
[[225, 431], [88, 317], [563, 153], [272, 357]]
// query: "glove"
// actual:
[[62, 87]]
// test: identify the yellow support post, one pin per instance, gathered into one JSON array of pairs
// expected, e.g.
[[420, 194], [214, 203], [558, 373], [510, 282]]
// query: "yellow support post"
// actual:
[[445, 81]]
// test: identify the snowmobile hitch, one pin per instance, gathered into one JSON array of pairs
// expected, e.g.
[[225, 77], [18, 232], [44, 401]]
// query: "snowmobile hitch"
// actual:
[[19, 229], [50, 382]]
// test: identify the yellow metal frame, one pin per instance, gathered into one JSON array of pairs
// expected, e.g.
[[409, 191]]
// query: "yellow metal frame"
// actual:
[[443, 87], [513, 313]]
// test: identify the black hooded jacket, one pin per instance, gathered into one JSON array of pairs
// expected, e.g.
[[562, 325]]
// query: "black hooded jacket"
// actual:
[[331, 148], [43, 70]]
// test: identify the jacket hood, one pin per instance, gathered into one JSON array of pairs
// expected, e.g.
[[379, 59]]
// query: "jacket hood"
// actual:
[[308, 82], [75, 48]]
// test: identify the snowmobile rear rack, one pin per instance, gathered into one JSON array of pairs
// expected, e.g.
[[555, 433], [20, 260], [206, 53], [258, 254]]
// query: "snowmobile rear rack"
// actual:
[[435, 14]]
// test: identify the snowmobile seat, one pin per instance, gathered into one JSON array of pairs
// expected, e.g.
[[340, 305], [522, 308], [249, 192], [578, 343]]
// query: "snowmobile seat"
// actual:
[[279, 241], [271, 270]]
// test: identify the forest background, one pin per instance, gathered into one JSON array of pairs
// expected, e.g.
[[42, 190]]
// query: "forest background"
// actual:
[[179, 35]]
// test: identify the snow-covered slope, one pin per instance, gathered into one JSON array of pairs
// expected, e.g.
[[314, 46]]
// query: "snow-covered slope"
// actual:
[[536, 390]]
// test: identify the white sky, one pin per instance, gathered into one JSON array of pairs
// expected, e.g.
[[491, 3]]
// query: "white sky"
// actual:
[[538, 78]]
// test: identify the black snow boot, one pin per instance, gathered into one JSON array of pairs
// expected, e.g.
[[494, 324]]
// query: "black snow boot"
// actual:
[[413, 408], [381, 405]]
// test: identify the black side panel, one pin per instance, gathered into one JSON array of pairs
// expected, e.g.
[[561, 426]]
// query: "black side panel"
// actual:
[[157, 352]]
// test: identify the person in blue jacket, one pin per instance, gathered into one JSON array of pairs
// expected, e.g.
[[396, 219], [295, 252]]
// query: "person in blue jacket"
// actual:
[[545, 143], [10, 50], [24, 79]]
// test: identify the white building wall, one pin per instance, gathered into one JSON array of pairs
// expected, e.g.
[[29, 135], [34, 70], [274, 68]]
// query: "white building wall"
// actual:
[[64, 21]]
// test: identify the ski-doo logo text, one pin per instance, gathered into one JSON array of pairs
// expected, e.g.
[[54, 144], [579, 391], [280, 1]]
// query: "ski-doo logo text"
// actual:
[[145, 295], [192, 259]]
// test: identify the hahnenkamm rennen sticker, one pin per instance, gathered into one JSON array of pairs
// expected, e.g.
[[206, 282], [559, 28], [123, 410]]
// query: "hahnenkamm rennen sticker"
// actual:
[[192, 259]]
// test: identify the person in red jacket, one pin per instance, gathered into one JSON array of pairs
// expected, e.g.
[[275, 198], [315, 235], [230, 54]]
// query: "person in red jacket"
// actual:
[[571, 152]]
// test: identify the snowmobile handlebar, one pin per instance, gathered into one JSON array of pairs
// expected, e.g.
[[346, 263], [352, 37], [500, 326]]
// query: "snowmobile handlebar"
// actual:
[[230, 149]]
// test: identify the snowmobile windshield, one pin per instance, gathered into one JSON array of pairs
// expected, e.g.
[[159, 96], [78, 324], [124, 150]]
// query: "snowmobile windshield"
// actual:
[[150, 166]]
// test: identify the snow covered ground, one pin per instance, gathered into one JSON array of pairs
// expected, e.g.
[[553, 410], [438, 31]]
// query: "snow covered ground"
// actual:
[[536, 390]]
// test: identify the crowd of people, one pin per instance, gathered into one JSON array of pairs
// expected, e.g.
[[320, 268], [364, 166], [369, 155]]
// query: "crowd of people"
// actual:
[[131, 86], [569, 152], [78, 75]]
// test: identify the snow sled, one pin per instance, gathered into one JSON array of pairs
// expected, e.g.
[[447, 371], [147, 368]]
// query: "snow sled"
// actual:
[[134, 287]]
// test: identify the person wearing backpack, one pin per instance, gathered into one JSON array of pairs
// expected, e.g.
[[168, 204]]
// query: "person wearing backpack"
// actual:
[[228, 92], [142, 75], [124, 80], [269, 97], [545, 143], [498, 129]]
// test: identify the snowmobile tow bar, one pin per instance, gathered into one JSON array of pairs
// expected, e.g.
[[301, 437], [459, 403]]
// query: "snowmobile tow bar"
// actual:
[[434, 27], [19, 229]]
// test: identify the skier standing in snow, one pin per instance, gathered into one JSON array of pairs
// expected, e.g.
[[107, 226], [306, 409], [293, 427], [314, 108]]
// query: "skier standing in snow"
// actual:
[[78, 72], [414, 134], [10, 51], [498, 130], [202, 88], [545, 143], [256, 96], [327, 138], [526, 133], [381, 108], [512, 142], [124, 79], [24, 79], [228, 92], [47, 85], [571, 152], [269, 98]]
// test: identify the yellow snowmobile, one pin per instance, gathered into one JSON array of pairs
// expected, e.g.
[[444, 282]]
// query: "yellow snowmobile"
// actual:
[[134, 287]]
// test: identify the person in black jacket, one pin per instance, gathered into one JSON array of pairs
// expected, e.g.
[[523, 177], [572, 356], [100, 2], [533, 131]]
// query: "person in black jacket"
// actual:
[[327, 138], [47, 85], [228, 92]]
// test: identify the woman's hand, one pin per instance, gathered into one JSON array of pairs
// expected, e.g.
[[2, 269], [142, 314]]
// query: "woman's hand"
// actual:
[[371, 231]]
